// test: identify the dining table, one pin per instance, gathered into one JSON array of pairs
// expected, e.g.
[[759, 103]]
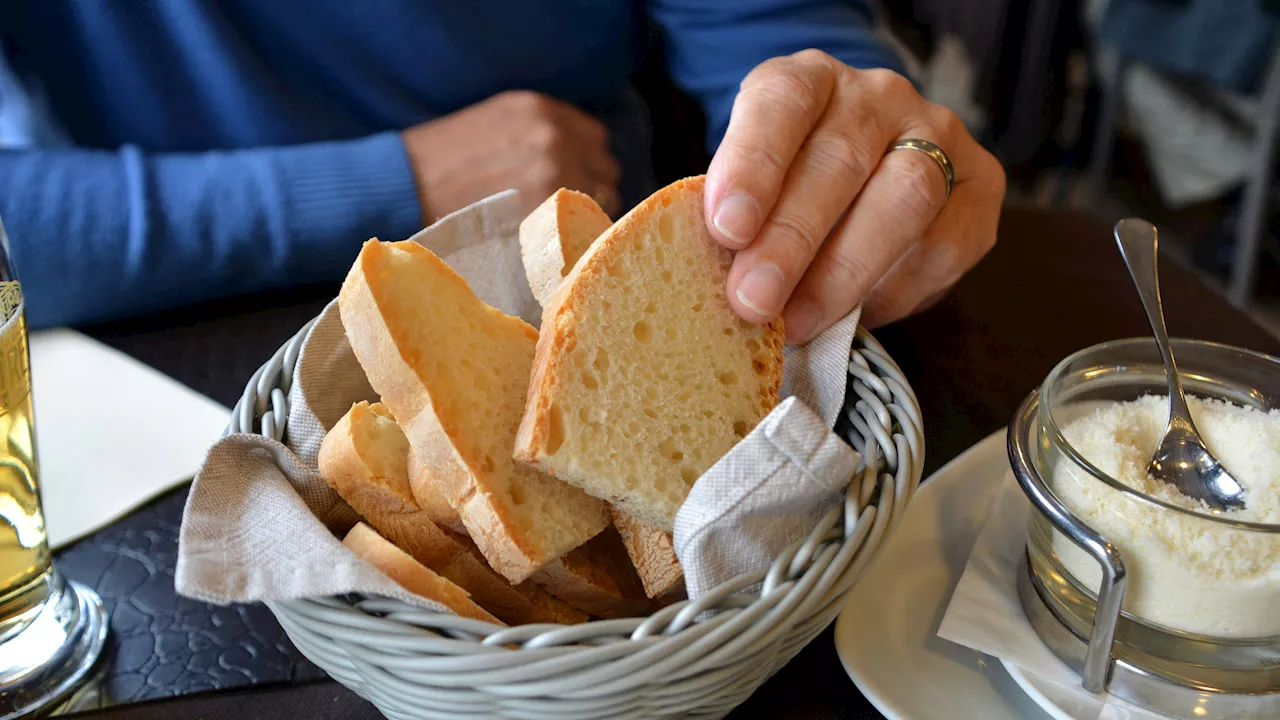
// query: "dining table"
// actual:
[[1053, 284]]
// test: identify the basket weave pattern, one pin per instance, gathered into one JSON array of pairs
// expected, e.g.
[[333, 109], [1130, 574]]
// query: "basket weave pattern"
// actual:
[[696, 659]]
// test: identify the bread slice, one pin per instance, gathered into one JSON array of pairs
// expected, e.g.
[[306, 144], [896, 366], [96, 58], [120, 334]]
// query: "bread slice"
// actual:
[[453, 370], [411, 574], [363, 458], [552, 239], [598, 578], [653, 556], [430, 498], [555, 235], [522, 604], [644, 375]]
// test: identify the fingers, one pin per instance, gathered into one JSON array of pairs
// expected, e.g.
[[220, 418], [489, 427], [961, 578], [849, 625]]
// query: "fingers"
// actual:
[[829, 170], [588, 140], [776, 108], [582, 135], [959, 237], [568, 148], [895, 208], [903, 243], [577, 121], [549, 175]]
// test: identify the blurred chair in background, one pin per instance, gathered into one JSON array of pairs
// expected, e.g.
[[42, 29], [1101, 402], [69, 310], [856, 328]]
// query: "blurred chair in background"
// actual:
[[1200, 82]]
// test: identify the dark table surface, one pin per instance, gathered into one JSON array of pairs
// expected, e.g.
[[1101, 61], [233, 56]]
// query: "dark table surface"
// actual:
[[1053, 284]]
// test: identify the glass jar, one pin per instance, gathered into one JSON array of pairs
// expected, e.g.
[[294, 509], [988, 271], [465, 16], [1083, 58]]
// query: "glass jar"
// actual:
[[1198, 594]]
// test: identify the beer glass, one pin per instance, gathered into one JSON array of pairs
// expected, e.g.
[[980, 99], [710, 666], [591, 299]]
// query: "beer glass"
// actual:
[[51, 630]]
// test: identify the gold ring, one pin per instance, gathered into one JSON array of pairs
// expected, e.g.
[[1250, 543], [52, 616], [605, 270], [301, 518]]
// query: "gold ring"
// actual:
[[939, 156]]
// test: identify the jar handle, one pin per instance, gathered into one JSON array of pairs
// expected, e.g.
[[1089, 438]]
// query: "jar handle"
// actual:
[[1096, 674]]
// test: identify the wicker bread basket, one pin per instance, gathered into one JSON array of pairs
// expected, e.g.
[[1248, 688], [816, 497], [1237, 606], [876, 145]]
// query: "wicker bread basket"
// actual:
[[691, 659]]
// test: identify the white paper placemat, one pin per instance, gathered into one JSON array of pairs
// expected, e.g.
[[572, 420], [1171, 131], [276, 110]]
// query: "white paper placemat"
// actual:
[[111, 432]]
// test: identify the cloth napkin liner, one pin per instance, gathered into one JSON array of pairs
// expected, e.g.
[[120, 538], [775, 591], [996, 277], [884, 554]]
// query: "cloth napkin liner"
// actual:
[[260, 523], [761, 497], [252, 534], [984, 613]]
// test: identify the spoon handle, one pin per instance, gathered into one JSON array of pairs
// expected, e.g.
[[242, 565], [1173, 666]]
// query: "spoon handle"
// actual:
[[1139, 243]]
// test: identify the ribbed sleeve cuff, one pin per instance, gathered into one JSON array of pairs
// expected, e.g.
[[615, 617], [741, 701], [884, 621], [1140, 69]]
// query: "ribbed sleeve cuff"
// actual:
[[339, 194]]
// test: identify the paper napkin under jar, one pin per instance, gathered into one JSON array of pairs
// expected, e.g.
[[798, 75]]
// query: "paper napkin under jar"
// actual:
[[984, 613]]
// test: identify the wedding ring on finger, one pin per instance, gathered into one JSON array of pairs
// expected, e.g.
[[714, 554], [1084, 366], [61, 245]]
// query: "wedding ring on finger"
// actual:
[[939, 156]]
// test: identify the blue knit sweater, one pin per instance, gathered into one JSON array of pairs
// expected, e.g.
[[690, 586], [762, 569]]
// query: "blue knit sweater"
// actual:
[[162, 152]]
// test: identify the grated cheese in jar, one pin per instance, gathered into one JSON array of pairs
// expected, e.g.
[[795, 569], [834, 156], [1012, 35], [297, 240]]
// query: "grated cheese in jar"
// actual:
[[1185, 573]]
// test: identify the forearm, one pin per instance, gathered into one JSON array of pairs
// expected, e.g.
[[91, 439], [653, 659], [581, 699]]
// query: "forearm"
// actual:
[[99, 235]]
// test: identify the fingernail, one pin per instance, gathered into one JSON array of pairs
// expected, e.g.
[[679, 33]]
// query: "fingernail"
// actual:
[[763, 290], [801, 322], [738, 218]]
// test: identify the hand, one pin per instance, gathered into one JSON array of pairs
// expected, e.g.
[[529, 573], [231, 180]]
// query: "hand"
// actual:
[[825, 215], [516, 139]]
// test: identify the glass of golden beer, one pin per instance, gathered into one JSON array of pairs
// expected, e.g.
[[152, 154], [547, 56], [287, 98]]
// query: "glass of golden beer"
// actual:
[[51, 629]]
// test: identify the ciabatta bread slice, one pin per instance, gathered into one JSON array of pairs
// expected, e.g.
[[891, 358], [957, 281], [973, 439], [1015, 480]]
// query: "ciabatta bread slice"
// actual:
[[552, 239], [652, 555], [363, 458], [454, 371], [555, 235], [644, 374], [430, 498], [411, 574], [596, 578], [522, 604]]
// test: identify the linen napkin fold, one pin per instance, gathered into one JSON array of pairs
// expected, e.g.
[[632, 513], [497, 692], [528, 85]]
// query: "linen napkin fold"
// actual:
[[254, 531], [762, 496], [260, 522], [984, 613]]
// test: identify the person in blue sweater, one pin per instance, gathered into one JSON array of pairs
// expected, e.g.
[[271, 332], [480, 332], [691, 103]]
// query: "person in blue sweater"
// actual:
[[165, 152]]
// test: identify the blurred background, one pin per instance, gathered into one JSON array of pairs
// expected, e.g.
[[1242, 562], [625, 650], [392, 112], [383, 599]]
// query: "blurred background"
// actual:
[[1165, 109]]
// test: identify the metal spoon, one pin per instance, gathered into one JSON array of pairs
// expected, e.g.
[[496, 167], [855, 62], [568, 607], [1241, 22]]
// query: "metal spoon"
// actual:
[[1182, 458]]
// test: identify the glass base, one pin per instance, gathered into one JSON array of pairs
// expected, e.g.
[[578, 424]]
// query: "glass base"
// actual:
[[53, 654]]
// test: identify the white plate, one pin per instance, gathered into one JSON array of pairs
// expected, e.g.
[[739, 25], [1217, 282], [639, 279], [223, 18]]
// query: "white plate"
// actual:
[[1064, 705], [887, 634], [1050, 697]]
